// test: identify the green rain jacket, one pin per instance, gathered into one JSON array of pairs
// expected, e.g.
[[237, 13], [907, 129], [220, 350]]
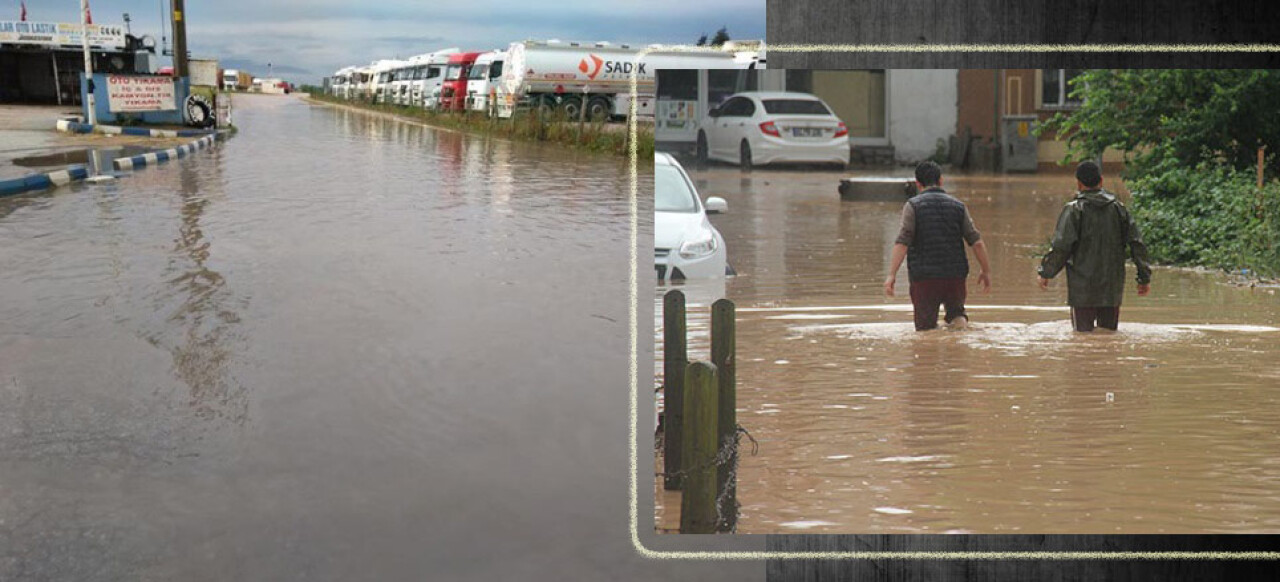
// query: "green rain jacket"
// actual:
[[1094, 231]]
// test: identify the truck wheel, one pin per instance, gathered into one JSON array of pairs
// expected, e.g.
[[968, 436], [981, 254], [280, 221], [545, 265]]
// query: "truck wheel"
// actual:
[[744, 156], [701, 151], [598, 109], [571, 107]]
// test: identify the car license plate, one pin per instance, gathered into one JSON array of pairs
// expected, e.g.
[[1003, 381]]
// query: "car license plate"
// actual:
[[806, 132]]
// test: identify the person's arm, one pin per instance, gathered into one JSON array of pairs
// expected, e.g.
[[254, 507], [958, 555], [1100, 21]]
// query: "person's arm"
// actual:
[[984, 278], [895, 262], [974, 238], [1138, 251], [1064, 242], [906, 233]]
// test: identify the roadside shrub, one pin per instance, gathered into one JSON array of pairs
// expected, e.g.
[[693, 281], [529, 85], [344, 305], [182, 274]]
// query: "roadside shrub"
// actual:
[[1209, 216], [527, 125]]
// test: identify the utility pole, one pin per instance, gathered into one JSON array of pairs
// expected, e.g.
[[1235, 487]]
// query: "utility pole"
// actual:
[[91, 116], [127, 29], [164, 40], [179, 39]]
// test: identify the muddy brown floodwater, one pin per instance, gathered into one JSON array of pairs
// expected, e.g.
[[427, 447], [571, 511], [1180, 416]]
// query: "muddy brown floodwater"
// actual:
[[333, 347], [1017, 424]]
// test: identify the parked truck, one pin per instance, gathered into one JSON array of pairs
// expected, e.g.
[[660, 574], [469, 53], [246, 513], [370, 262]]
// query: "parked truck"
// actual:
[[417, 82], [571, 75], [235, 80], [453, 91], [482, 83], [382, 72]]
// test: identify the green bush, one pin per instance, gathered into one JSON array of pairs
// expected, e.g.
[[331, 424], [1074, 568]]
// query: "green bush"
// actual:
[[1210, 216]]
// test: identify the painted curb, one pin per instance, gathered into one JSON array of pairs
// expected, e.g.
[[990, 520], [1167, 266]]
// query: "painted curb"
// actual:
[[73, 126], [154, 158], [43, 181]]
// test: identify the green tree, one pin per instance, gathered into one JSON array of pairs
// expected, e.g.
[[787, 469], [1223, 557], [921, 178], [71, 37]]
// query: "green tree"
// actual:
[[1190, 140], [702, 40], [721, 36], [1180, 116]]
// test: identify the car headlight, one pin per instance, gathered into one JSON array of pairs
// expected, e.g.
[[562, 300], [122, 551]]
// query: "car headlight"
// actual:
[[698, 248]]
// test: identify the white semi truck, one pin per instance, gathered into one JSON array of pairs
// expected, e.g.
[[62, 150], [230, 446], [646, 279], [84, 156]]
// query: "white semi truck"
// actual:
[[417, 82], [571, 75], [342, 80], [482, 83], [382, 75]]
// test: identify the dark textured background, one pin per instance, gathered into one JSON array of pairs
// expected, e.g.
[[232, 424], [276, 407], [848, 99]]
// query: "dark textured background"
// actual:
[[1022, 22]]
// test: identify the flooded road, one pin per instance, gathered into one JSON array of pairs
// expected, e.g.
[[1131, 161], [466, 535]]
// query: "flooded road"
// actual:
[[333, 347], [1018, 424]]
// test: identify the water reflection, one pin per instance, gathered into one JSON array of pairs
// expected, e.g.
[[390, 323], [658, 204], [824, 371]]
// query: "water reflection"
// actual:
[[200, 331], [1016, 424]]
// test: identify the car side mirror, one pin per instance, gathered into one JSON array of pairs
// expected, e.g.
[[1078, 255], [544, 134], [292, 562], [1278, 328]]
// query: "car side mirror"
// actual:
[[716, 205], [715, 112]]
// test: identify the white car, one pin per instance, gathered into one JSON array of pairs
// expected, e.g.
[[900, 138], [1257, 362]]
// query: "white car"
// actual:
[[757, 128], [686, 245]]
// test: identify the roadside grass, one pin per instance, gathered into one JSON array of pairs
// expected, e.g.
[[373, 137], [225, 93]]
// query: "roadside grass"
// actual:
[[555, 128]]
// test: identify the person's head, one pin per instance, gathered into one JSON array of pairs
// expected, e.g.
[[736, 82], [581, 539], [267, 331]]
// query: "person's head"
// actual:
[[1088, 176], [928, 175]]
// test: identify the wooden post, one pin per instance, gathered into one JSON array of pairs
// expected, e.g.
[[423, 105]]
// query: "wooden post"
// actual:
[[698, 494], [1260, 164], [723, 355], [675, 357], [582, 111], [1259, 204]]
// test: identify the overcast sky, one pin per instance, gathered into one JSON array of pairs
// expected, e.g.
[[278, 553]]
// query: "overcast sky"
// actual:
[[305, 40]]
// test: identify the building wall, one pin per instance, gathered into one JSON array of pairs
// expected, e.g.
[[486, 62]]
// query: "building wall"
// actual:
[[922, 110], [976, 102]]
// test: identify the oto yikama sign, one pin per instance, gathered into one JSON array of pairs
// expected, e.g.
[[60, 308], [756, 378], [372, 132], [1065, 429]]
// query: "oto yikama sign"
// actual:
[[140, 93]]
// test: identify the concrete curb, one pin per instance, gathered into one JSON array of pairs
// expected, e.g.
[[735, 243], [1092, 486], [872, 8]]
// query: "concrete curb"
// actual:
[[154, 158], [43, 181], [73, 126]]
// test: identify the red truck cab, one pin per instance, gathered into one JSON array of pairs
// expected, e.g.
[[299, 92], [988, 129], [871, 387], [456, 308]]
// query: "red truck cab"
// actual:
[[453, 91]]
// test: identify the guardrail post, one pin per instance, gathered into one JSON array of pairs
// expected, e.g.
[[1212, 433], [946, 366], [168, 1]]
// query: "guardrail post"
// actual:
[[723, 355], [675, 358], [698, 494]]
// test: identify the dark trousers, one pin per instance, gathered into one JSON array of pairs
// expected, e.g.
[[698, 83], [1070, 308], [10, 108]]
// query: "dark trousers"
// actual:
[[927, 294], [1084, 318]]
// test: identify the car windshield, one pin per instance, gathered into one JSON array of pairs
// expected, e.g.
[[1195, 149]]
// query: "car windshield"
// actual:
[[672, 193], [795, 107], [478, 72], [453, 72]]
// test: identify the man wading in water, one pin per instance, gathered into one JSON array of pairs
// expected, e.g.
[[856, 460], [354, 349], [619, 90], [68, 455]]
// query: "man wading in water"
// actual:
[[1093, 233], [935, 227]]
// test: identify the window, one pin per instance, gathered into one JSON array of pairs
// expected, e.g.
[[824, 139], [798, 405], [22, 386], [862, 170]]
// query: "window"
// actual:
[[672, 193], [432, 72], [495, 70], [721, 83], [478, 72], [453, 72], [738, 107], [795, 107], [677, 84], [1055, 87]]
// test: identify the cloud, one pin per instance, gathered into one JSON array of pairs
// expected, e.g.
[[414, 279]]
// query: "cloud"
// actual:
[[317, 37]]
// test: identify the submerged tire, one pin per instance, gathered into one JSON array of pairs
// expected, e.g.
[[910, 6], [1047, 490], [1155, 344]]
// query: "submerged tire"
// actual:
[[744, 156]]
